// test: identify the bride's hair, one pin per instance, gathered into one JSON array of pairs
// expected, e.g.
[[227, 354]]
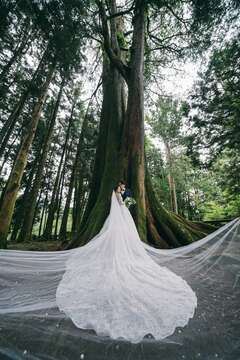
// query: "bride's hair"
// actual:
[[119, 183]]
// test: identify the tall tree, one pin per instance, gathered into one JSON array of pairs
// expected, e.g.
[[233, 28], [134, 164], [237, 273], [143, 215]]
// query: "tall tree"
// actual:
[[166, 122], [26, 230], [14, 181], [216, 104], [63, 55], [54, 198], [150, 217]]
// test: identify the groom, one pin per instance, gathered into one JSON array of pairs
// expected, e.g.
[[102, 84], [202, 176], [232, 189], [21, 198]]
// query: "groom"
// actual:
[[125, 192]]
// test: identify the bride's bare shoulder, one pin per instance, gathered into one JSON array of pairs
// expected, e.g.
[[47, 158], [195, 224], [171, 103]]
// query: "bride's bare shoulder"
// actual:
[[119, 197]]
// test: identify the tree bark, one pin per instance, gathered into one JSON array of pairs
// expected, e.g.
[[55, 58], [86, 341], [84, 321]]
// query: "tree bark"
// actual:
[[78, 176], [107, 167], [59, 202], [171, 181], [14, 181], [53, 203], [43, 215], [63, 228], [133, 138], [24, 202], [26, 230], [75, 182], [61, 187]]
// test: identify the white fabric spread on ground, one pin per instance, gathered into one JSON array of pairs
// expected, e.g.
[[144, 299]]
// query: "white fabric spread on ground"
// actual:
[[115, 285]]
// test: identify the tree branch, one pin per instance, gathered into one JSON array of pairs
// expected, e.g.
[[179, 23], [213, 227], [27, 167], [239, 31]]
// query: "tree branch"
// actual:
[[167, 37], [114, 58], [120, 13], [177, 16], [128, 33]]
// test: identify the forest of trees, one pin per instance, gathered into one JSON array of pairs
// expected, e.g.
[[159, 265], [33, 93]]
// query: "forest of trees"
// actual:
[[76, 78]]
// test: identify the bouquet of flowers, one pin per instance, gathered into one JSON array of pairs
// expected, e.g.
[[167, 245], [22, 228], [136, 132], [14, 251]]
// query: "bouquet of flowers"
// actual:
[[129, 201]]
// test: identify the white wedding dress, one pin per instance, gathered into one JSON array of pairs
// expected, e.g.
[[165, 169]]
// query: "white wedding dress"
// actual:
[[112, 285], [123, 287]]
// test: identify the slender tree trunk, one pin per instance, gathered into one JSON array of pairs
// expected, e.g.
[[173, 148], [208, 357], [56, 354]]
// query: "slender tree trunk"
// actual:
[[14, 181], [78, 175], [63, 228], [25, 234], [171, 181], [173, 196], [42, 215], [36, 210], [25, 199], [61, 188], [78, 194], [53, 203], [6, 155], [59, 203]]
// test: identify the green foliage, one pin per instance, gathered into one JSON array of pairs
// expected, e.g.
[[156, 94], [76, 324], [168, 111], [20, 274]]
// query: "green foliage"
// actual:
[[157, 171], [166, 120], [121, 39], [215, 137], [216, 100], [203, 193]]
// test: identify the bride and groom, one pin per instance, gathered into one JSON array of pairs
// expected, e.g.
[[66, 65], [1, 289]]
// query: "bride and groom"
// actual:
[[121, 189], [112, 285]]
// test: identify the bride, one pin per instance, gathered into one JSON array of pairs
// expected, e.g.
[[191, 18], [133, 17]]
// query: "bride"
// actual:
[[113, 286]]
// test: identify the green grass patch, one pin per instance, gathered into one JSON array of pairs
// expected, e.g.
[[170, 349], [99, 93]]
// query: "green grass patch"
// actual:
[[35, 246]]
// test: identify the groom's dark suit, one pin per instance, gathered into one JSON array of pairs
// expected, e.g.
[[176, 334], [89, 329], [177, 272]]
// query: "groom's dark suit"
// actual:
[[127, 193]]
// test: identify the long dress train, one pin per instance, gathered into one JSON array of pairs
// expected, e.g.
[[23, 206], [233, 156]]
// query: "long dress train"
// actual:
[[112, 285]]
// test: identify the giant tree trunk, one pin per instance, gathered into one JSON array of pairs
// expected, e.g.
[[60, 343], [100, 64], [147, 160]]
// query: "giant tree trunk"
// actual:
[[133, 137], [108, 162], [125, 131], [120, 150], [107, 167], [14, 181], [165, 229]]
